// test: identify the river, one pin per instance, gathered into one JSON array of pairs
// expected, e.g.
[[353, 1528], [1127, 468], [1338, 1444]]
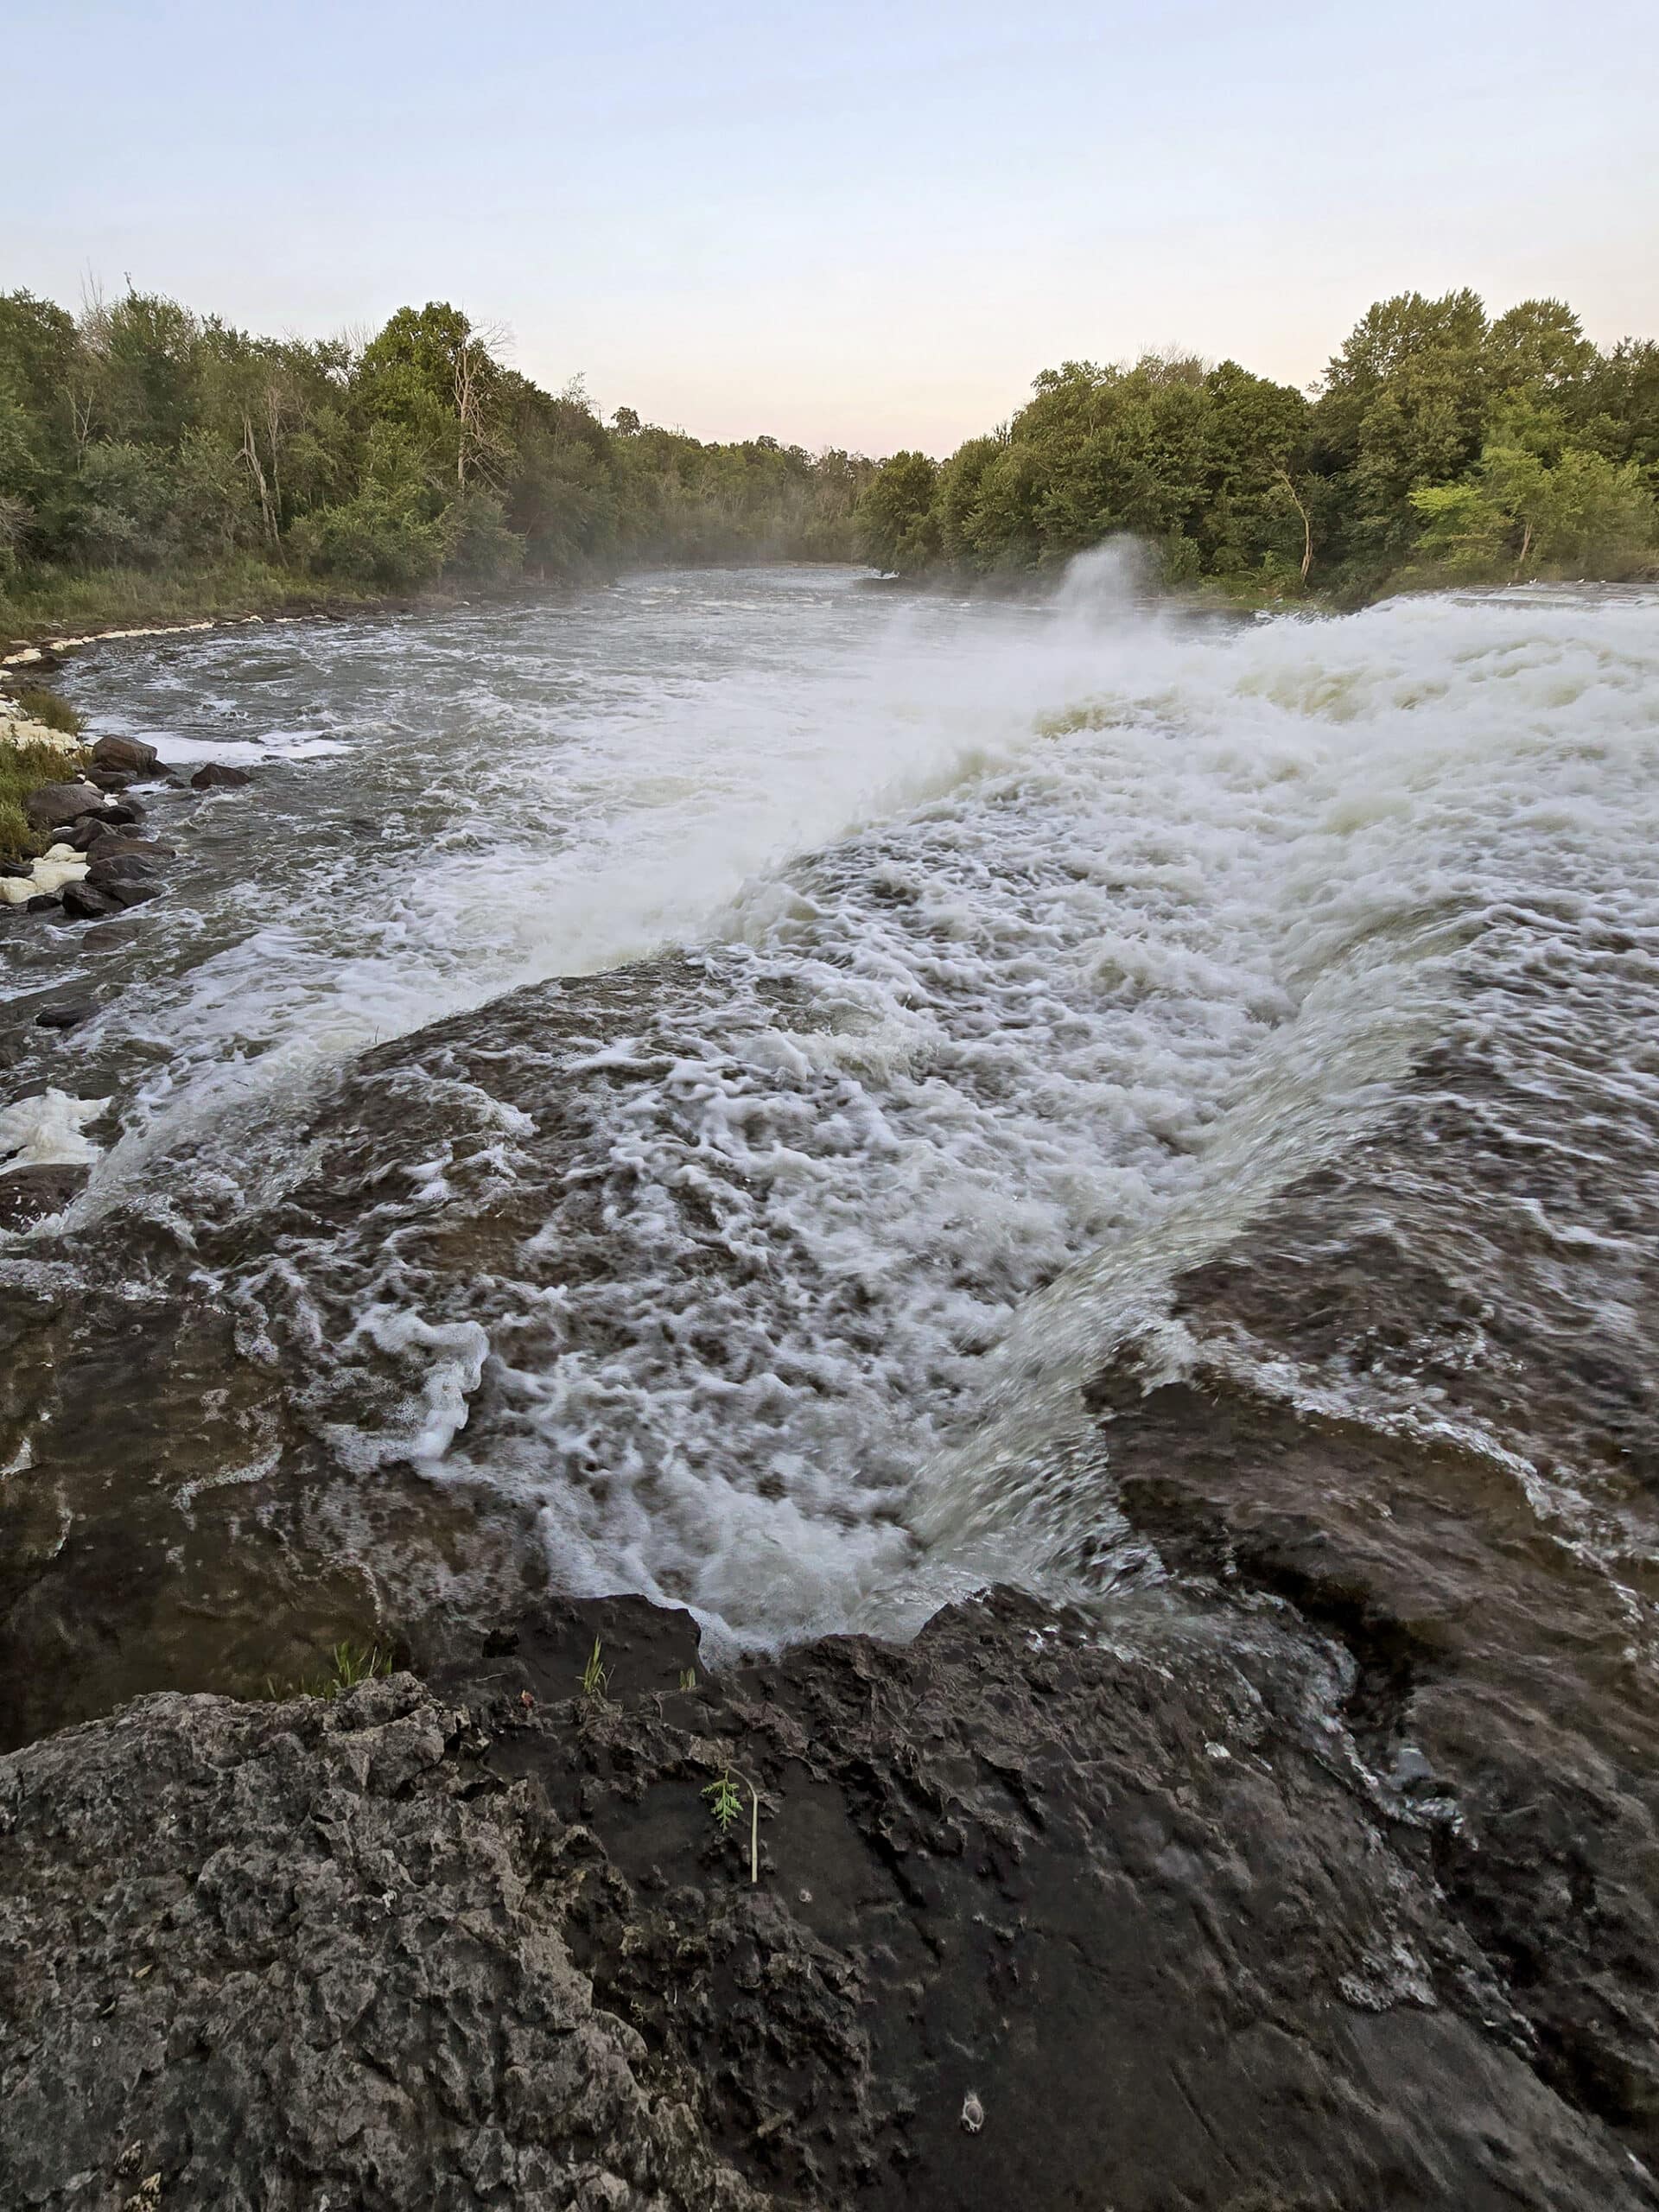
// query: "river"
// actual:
[[681, 1089]]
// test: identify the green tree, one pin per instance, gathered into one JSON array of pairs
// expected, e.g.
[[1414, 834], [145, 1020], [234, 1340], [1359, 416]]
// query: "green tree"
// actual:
[[897, 530], [1521, 513]]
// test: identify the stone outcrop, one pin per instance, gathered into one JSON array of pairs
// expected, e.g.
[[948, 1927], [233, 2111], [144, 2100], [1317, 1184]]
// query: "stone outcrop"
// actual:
[[1052, 1910]]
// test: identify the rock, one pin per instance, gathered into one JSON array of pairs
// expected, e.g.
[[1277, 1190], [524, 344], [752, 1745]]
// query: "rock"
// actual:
[[109, 779], [1047, 1916], [124, 877], [104, 938], [125, 810], [109, 844], [50, 806], [47, 902], [85, 902], [105, 866], [30, 1194], [129, 754], [67, 1015], [214, 775], [85, 833], [421, 2015]]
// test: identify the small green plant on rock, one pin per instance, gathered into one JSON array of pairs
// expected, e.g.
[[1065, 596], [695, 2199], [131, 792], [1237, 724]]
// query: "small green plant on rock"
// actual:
[[595, 1675], [726, 1802], [348, 1665], [354, 1663]]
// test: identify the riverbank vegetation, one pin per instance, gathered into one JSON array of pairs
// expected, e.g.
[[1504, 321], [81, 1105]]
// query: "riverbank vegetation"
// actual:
[[156, 464], [28, 757], [1441, 445]]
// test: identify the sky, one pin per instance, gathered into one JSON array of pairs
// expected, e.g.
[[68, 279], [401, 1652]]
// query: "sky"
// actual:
[[867, 226]]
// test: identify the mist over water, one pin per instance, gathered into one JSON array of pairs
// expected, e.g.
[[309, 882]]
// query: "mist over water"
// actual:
[[995, 963]]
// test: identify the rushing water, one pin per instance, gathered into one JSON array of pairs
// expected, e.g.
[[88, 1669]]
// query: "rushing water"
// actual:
[[941, 980]]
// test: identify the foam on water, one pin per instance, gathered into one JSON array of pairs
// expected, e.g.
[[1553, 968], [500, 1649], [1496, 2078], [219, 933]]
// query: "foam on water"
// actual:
[[48, 1131], [1107, 927]]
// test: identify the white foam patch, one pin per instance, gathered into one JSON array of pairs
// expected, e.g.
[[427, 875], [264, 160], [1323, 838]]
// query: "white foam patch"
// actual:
[[48, 1131]]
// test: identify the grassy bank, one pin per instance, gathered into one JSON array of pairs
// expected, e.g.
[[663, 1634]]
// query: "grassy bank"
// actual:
[[62, 602], [22, 768]]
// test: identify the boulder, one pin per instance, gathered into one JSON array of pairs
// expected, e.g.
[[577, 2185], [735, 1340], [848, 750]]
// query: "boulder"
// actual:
[[111, 868], [214, 776], [112, 845], [48, 806], [85, 902], [69, 1014], [126, 878], [109, 779], [85, 833], [129, 754], [124, 810]]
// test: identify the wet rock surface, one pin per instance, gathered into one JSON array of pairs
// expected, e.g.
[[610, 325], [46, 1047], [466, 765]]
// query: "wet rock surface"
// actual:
[[1053, 1908], [33, 1193], [1476, 1534], [87, 902]]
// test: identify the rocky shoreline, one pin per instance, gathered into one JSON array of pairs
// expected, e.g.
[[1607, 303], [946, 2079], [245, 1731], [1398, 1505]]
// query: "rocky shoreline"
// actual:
[[1048, 1908], [98, 858]]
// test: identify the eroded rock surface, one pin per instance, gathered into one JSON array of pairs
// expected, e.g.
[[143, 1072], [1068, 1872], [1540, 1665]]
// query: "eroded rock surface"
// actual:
[[279, 1957], [1053, 1909]]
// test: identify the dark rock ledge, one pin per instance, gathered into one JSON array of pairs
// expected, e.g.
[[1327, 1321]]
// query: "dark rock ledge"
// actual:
[[1053, 1911]]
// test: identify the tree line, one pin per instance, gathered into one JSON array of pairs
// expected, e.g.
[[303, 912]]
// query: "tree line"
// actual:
[[138, 437], [1442, 445]]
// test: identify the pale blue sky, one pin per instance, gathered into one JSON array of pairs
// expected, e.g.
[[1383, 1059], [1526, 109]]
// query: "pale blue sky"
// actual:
[[867, 224]]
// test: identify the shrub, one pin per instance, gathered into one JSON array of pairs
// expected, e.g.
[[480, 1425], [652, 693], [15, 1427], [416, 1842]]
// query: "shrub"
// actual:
[[376, 535], [22, 768], [40, 705]]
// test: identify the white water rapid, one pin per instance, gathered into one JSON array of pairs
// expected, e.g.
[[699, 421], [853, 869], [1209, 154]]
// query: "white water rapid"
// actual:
[[1036, 947]]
